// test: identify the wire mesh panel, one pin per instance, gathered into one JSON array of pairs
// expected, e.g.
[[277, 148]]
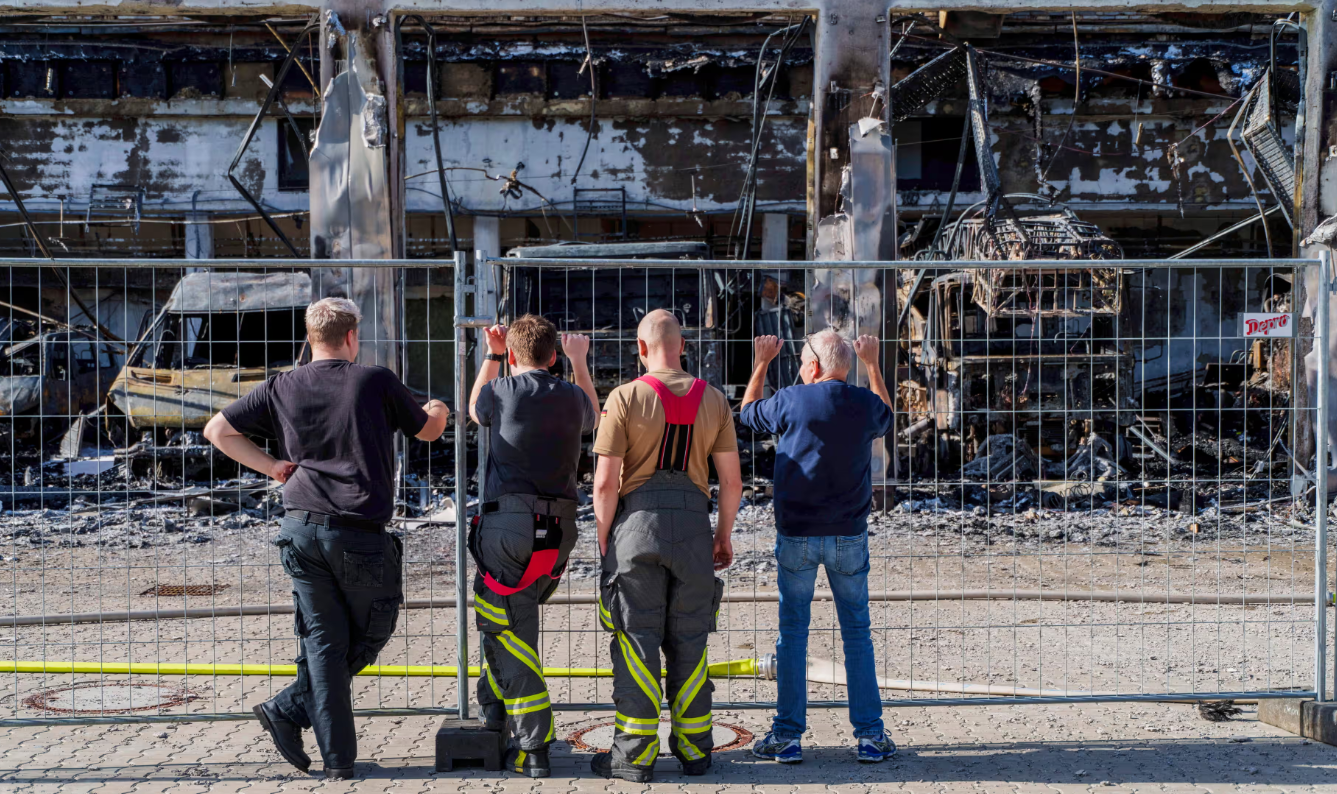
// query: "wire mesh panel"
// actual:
[[139, 572], [1074, 502], [1080, 499]]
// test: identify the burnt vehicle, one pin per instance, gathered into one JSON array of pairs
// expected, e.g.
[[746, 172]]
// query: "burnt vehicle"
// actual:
[[48, 379], [218, 337], [1029, 352], [1052, 377]]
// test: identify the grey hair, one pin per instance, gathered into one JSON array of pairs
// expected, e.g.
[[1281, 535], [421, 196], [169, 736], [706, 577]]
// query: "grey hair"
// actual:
[[831, 350], [329, 320]]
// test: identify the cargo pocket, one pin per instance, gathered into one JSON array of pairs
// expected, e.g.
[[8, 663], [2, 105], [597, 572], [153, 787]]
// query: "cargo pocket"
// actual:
[[381, 623], [288, 557], [490, 613], [298, 625], [606, 580], [715, 604], [364, 568]]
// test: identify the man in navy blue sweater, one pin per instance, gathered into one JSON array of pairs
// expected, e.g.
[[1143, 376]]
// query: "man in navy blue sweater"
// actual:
[[823, 494]]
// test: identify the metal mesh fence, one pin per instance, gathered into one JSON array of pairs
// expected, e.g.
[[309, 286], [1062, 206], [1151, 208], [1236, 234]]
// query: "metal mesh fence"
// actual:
[[1099, 484]]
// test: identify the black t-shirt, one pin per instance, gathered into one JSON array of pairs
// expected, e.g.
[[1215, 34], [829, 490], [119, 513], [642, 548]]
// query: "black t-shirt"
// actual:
[[534, 423], [336, 420]]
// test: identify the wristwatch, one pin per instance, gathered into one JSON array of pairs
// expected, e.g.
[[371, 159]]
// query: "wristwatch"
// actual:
[[498, 357]]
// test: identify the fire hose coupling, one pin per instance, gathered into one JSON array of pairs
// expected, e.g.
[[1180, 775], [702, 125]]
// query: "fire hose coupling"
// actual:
[[766, 667]]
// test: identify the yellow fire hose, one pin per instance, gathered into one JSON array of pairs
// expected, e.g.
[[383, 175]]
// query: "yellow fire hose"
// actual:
[[738, 668]]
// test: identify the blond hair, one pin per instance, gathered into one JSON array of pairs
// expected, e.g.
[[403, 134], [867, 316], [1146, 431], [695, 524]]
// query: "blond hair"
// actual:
[[329, 320]]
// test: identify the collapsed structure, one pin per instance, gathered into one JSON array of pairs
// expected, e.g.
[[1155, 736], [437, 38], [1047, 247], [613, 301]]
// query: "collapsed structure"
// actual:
[[841, 132]]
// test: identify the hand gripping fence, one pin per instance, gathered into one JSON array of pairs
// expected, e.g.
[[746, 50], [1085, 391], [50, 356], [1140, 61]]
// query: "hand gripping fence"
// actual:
[[1100, 486]]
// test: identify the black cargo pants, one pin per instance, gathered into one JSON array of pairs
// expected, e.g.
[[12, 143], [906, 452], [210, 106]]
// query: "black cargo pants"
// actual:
[[512, 687], [659, 591], [347, 586]]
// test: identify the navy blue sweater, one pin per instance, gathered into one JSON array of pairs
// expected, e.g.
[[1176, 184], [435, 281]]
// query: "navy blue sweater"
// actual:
[[824, 455]]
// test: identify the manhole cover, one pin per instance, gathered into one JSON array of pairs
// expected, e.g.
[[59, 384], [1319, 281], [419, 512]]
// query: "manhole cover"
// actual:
[[598, 738], [185, 590], [101, 698]]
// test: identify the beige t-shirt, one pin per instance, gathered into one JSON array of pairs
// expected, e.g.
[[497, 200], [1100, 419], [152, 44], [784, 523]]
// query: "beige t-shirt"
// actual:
[[633, 425]]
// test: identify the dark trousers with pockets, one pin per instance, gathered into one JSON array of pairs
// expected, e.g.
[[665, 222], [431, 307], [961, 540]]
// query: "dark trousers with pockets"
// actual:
[[659, 591], [512, 688], [347, 587]]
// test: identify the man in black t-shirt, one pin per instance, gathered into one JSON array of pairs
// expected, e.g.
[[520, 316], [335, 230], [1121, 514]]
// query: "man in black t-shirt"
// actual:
[[527, 526], [334, 422]]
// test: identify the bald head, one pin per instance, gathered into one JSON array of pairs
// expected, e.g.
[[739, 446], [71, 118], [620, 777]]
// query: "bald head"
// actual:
[[660, 331]]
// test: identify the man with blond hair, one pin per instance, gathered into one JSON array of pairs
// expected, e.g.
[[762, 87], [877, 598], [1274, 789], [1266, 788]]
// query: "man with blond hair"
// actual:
[[657, 589], [823, 493], [526, 527], [334, 422]]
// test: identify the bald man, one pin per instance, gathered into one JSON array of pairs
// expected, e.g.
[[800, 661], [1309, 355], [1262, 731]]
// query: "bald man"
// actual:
[[658, 590]]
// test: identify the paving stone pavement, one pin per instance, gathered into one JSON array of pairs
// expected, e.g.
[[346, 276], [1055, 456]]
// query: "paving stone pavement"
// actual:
[[1054, 749]]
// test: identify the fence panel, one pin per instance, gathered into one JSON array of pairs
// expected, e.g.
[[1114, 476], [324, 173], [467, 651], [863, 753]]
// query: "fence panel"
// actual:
[[138, 572], [1091, 491]]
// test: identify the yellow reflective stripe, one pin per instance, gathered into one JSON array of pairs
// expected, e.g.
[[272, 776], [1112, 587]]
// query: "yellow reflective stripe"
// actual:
[[527, 704], [520, 760], [492, 681], [605, 616], [649, 684], [692, 724], [517, 711], [552, 727], [649, 755], [637, 725], [492, 613], [520, 650], [691, 687], [686, 747]]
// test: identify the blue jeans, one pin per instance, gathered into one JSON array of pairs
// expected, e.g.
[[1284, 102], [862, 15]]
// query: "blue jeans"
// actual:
[[846, 561]]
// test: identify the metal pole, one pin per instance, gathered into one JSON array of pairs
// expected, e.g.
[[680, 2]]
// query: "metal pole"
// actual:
[[1321, 465], [461, 490]]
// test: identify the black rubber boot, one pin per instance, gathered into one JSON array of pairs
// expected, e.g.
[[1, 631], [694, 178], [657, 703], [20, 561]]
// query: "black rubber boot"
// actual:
[[530, 763], [286, 734], [602, 764], [695, 768], [338, 774]]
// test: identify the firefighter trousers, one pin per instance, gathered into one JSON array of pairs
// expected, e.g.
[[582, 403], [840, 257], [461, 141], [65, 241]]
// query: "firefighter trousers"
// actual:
[[512, 689], [658, 591], [347, 588]]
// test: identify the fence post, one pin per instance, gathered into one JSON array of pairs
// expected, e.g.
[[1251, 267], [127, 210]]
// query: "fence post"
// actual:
[[461, 490], [1321, 465]]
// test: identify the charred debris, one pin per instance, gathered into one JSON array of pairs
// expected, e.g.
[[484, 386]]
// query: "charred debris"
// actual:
[[1089, 137]]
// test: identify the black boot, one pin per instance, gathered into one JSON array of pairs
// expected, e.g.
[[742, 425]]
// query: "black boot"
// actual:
[[602, 764], [338, 774], [695, 768], [530, 763], [287, 735]]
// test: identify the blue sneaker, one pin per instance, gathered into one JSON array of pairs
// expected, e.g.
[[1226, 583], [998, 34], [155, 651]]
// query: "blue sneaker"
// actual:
[[786, 751], [875, 751]]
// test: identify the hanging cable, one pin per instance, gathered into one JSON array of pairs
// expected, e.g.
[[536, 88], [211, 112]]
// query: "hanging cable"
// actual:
[[436, 127], [763, 81]]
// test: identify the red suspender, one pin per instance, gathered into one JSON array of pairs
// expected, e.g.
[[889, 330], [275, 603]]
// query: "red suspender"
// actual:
[[679, 417]]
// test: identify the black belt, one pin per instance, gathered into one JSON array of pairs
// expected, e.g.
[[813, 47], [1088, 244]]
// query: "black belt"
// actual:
[[539, 505], [334, 522]]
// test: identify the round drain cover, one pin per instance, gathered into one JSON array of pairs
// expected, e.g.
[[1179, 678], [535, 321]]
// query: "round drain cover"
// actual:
[[598, 738], [97, 697]]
